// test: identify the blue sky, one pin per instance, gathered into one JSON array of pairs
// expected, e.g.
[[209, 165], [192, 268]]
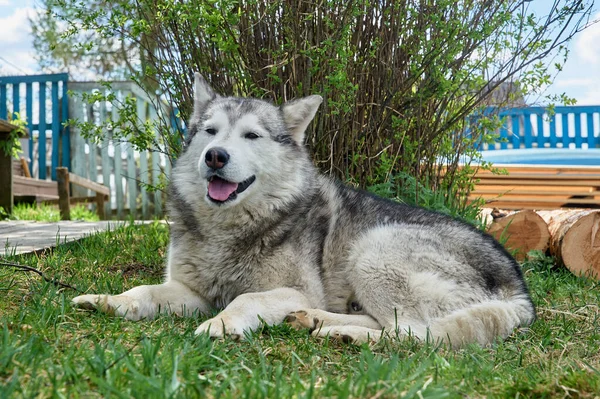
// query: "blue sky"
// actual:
[[580, 78]]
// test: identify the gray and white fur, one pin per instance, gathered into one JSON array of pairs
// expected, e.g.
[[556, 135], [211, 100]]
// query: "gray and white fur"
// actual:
[[257, 232]]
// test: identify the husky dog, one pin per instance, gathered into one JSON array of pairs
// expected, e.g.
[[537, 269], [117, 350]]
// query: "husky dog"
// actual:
[[259, 233]]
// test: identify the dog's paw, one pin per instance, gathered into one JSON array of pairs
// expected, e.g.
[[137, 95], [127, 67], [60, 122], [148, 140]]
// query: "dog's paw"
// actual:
[[221, 326], [118, 305], [302, 319], [349, 334]]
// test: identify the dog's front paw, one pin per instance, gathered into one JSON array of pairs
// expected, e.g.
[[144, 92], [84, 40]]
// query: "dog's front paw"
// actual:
[[118, 305], [302, 319], [221, 326]]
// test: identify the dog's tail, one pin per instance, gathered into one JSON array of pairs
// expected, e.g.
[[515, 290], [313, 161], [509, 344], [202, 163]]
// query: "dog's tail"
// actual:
[[484, 322]]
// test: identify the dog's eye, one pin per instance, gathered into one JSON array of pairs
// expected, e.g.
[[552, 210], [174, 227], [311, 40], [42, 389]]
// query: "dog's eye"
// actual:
[[211, 131], [251, 136]]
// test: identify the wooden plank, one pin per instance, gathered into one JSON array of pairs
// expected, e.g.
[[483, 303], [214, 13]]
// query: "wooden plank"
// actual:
[[119, 180], [528, 133], [565, 193], [558, 201], [539, 182], [93, 160], [64, 204], [42, 132], [590, 130], [5, 128], [504, 135], [120, 194], [55, 125], [65, 130], [541, 176], [131, 180], [545, 169], [100, 199], [88, 184], [537, 198], [29, 114], [563, 189], [23, 186], [517, 206], [144, 178], [168, 167], [155, 182], [565, 131], [540, 131], [16, 100], [52, 77], [106, 164], [156, 170], [3, 108], [516, 131], [553, 132], [78, 157], [25, 167], [578, 136]]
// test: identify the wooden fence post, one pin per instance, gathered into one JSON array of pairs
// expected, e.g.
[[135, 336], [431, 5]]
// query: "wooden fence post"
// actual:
[[100, 205], [64, 199]]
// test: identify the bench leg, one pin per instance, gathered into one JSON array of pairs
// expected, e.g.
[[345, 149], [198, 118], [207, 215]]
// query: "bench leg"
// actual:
[[6, 183], [100, 206]]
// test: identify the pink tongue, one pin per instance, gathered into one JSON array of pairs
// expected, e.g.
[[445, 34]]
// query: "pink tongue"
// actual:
[[219, 189]]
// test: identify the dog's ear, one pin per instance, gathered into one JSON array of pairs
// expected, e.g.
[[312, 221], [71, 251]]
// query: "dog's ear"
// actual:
[[297, 114], [203, 94]]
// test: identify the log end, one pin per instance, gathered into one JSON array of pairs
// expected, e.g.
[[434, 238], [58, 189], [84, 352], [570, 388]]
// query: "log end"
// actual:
[[580, 247], [521, 233]]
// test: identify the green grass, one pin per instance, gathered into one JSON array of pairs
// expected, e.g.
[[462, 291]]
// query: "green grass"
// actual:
[[50, 213], [50, 349]]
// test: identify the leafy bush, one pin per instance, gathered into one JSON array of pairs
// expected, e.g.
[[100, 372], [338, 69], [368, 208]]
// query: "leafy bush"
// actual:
[[11, 145], [399, 78]]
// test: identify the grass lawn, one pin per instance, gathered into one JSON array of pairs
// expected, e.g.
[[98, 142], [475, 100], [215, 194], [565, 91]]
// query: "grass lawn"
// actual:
[[50, 349]]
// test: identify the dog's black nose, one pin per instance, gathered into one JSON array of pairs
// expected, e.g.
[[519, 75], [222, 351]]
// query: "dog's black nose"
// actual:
[[216, 158]]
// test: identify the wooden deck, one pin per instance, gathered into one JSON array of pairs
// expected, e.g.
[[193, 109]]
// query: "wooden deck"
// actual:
[[539, 187]]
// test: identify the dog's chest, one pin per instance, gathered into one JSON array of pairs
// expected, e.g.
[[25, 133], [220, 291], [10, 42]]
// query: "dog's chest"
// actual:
[[222, 271]]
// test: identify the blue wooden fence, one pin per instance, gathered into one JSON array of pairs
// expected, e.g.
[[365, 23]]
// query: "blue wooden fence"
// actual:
[[45, 102], [46, 110], [536, 127]]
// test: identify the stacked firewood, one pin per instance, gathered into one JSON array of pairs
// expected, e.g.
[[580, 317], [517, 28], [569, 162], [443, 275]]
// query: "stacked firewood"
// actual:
[[571, 236]]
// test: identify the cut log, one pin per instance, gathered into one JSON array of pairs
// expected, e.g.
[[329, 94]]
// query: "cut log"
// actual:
[[575, 239], [521, 232]]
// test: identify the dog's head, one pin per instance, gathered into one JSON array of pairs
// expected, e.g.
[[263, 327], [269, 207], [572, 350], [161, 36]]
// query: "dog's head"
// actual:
[[240, 144]]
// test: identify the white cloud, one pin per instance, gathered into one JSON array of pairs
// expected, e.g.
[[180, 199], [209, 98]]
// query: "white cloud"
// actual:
[[16, 27], [591, 96], [586, 45], [4, 2], [20, 61], [580, 78], [574, 82], [16, 42]]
